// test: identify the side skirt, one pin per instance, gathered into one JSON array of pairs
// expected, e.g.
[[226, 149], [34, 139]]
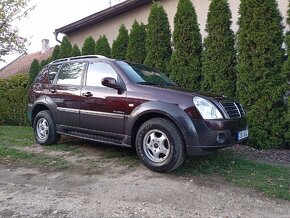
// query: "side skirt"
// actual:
[[102, 137]]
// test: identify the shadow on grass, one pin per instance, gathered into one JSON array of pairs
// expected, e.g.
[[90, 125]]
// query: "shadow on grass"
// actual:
[[274, 181]]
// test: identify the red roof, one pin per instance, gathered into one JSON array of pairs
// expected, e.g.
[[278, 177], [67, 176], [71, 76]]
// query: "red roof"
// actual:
[[22, 64]]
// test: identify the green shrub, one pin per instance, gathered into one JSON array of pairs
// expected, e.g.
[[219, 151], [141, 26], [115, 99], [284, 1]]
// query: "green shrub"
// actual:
[[158, 39], [119, 47], [55, 53], [65, 48], [103, 46], [260, 81], [286, 70], [185, 63], [76, 51], [13, 100], [136, 48], [33, 71], [89, 46], [219, 55]]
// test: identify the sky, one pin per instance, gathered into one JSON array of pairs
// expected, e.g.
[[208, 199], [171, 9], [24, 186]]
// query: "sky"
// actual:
[[49, 15]]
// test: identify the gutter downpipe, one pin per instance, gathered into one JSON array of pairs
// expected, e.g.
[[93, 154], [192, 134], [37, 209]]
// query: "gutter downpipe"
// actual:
[[56, 34]]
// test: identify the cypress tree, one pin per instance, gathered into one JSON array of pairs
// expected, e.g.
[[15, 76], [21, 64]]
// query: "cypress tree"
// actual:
[[185, 63], [260, 79], [76, 51], [136, 47], [55, 53], [45, 62], [103, 46], [33, 71], [119, 47], [89, 46], [286, 70], [65, 48], [158, 44], [219, 55]]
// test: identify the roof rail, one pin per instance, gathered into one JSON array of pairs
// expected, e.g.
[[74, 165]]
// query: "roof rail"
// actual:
[[78, 57]]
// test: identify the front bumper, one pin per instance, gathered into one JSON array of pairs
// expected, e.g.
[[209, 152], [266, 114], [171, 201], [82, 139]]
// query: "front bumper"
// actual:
[[214, 134]]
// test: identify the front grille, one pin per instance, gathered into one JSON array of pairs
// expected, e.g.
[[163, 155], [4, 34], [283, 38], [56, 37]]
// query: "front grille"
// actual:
[[233, 110]]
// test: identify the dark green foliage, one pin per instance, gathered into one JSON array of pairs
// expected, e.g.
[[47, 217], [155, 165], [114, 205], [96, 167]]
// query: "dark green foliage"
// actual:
[[219, 55], [89, 46], [185, 63], [103, 46], [260, 80], [55, 53], [158, 47], [65, 48], [45, 62], [286, 70], [13, 100], [136, 51], [119, 47], [33, 71], [76, 51]]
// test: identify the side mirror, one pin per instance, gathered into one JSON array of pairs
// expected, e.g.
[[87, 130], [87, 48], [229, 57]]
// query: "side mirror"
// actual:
[[111, 83]]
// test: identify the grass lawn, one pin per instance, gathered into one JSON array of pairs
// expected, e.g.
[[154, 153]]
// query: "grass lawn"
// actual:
[[274, 181]]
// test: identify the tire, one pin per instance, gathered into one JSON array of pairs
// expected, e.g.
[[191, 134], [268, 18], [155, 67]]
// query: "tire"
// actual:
[[159, 145], [45, 129]]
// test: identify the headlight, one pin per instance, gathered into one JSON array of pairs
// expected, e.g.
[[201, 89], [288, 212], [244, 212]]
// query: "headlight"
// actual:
[[207, 110]]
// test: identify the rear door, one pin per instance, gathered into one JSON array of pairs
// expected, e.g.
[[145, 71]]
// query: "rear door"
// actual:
[[65, 92], [102, 107]]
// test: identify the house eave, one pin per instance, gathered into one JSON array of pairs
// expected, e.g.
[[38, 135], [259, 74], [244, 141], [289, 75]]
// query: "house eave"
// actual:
[[101, 16]]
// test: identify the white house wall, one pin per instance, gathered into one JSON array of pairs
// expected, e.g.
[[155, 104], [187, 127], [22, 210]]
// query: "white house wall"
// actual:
[[110, 27]]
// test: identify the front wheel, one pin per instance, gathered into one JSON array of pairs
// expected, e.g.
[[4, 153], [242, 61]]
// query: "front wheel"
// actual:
[[159, 145], [44, 128]]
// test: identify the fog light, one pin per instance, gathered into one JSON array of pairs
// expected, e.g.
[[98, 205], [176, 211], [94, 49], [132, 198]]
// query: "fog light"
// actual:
[[221, 138]]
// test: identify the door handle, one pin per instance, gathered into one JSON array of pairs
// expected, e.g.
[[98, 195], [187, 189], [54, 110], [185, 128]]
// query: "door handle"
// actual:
[[87, 94], [53, 90]]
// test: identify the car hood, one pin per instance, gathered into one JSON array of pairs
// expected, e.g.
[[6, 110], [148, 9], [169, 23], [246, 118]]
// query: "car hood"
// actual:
[[178, 89]]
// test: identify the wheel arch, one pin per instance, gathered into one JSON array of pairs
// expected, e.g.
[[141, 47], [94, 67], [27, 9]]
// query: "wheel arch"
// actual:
[[151, 110], [43, 103]]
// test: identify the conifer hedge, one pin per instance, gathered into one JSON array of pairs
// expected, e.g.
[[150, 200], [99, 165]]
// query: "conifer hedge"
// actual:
[[136, 51], [76, 51], [33, 71], [260, 78], [119, 47], [219, 55], [185, 63], [103, 46], [13, 100], [286, 70], [55, 53], [158, 39], [65, 48], [89, 46]]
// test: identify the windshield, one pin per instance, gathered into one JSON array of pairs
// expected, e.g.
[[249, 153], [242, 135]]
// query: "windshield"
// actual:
[[144, 75]]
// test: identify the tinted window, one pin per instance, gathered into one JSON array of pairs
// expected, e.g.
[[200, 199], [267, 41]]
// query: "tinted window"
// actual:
[[97, 71], [144, 75], [71, 74], [53, 71]]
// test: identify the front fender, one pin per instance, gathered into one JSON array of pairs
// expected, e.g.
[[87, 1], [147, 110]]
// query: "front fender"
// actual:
[[172, 112]]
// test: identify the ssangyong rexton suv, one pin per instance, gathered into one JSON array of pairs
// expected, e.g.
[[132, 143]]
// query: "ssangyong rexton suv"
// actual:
[[131, 105]]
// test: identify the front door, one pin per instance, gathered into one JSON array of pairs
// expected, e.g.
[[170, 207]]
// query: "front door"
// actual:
[[102, 107]]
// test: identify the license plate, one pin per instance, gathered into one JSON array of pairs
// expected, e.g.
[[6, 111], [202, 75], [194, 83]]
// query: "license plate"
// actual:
[[243, 134]]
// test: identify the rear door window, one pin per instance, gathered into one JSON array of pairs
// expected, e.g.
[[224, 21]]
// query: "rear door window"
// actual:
[[71, 73], [53, 71]]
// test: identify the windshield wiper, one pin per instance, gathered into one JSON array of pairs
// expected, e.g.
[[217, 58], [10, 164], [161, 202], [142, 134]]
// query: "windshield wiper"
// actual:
[[148, 83]]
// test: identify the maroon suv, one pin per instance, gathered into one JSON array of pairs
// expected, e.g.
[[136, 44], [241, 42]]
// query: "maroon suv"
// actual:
[[131, 105]]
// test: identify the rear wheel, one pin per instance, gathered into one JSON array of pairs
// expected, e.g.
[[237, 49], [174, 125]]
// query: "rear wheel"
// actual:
[[159, 145], [44, 128]]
